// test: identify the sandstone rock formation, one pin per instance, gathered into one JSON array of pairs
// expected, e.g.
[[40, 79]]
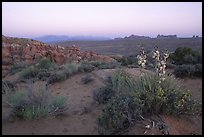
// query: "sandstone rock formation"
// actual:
[[16, 49]]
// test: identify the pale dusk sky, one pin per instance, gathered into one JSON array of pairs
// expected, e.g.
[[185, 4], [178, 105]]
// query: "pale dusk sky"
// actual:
[[109, 19]]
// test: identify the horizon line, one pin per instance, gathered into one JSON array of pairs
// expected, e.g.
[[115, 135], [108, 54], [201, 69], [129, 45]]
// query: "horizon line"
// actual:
[[102, 36]]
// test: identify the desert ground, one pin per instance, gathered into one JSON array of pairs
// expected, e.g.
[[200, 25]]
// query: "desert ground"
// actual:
[[131, 47], [80, 118]]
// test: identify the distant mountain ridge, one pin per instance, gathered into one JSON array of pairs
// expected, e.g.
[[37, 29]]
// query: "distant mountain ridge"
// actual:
[[137, 37], [59, 38]]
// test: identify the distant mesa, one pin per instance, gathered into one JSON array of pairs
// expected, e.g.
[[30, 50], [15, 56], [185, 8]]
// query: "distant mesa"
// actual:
[[166, 36], [136, 37], [195, 36], [133, 37]]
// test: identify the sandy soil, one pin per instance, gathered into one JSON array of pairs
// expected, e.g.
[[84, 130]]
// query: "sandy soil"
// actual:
[[83, 111]]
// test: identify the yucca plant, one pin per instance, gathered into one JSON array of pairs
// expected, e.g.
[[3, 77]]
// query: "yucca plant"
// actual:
[[163, 97], [147, 94], [142, 60], [160, 64]]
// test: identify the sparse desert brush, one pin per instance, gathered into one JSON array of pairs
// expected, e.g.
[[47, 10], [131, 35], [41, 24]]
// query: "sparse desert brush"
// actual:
[[95, 63], [198, 70], [150, 65], [17, 67], [71, 68], [170, 65], [188, 70], [109, 65], [124, 61], [63, 73], [43, 75], [33, 103], [58, 105], [67, 70], [41, 70], [86, 67], [33, 70], [87, 79], [29, 72], [44, 63], [185, 55], [7, 86], [188, 62], [58, 76], [103, 94], [119, 114]]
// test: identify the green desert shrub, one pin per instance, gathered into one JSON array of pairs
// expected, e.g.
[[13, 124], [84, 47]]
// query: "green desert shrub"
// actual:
[[149, 65], [119, 114], [44, 63], [34, 70], [30, 104], [17, 98], [44, 75], [124, 61], [170, 65], [87, 79], [71, 68], [17, 67], [67, 70], [92, 65], [86, 67], [95, 63], [58, 76], [29, 72], [7, 86], [127, 60], [63, 73], [59, 103], [33, 112], [166, 97], [188, 70], [143, 95], [198, 70], [103, 94], [185, 55], [184, 70], [41, 70], [132, 59], [109, 65], [122, 82]]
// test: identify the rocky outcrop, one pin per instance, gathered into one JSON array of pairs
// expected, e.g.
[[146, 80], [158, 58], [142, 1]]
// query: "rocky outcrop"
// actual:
[[31, 51]]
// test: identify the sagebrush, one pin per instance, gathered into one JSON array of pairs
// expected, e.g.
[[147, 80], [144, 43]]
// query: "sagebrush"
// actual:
[[31, 104]]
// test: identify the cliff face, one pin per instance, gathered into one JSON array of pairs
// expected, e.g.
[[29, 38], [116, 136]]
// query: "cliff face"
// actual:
[[18, 49]]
